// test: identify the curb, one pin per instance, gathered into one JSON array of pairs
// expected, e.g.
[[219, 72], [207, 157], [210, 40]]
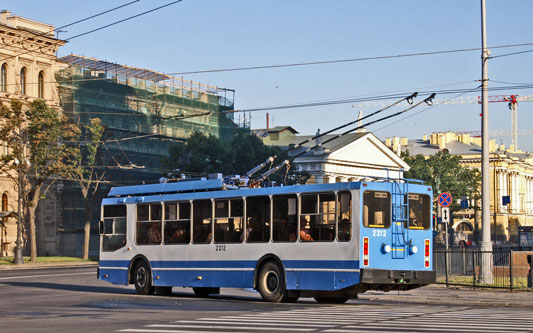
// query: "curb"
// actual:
[[13, 267]]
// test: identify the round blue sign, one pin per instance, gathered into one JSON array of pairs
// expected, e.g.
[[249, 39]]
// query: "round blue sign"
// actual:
[[445, 199]]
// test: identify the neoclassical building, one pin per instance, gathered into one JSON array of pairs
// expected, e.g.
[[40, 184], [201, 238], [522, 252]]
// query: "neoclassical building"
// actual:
[[27, 66], [511, 179], [348, 158]]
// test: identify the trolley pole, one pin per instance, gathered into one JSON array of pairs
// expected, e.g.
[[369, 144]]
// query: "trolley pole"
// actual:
[[486, 244], [19, 260]]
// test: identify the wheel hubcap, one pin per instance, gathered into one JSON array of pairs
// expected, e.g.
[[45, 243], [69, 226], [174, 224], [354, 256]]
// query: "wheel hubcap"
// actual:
[[141, 277], [272, 281]]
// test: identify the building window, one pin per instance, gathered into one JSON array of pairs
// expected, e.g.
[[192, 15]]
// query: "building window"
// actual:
[[4, 202], [23, 80], [41, 84], [3, 78]]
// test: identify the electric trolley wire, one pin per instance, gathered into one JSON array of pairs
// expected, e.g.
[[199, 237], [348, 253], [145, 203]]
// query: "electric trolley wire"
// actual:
[[406, 55], [427, 100], [97, 29], [68, 25]]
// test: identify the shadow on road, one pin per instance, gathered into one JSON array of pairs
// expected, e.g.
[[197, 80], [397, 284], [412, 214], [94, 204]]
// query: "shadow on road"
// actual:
[[70, 287]]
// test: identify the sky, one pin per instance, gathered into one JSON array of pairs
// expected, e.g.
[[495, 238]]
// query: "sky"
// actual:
[[196, 35]]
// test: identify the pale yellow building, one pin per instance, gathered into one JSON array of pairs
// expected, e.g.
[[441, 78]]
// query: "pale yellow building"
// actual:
[[27, 66], [511, 175]]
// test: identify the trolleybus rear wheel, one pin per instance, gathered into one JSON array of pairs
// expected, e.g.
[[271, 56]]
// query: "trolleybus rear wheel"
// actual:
[[142, 278], [271, 283]]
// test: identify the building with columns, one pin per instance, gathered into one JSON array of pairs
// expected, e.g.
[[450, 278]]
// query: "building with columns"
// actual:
[[511, 179], [349, 158], [27, 67]]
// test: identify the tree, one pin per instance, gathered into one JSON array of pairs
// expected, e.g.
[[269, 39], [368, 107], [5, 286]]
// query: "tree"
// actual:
[[207, 154], [86, 173], [36, 152], [444, 172]]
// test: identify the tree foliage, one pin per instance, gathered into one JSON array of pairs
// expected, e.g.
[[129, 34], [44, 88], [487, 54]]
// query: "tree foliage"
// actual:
[[445, 173], [35, 137], [203, 154]]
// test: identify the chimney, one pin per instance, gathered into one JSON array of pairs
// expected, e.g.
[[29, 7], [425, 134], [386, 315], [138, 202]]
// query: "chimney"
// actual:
[[511, 148], [442, 141], [3, 16], [492, 145], [267, 122], [424, 137], [388, 142], [502, 147], [395, 144]]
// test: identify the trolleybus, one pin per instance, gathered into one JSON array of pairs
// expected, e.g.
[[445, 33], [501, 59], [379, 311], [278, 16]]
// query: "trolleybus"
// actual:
[[327, 241]]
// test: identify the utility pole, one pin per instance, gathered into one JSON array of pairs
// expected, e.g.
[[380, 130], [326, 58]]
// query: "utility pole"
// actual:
[[486, 244]]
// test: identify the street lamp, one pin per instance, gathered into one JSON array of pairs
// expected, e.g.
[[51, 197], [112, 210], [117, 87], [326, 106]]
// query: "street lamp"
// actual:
[[19, 259]]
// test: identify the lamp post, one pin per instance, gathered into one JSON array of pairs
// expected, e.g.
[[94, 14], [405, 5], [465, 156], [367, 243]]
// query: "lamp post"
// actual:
[[19, 260]]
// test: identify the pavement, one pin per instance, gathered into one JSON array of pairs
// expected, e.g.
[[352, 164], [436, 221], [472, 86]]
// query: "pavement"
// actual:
[[438, 294]]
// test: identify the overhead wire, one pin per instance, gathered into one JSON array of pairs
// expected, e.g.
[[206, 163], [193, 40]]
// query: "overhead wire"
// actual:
[[311, 63], [70, 24]]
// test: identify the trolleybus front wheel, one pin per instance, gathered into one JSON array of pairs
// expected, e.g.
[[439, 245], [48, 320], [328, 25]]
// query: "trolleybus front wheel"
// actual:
[[271, 283], [142, 278]]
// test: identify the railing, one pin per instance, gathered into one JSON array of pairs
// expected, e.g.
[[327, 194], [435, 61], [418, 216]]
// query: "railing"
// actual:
[[509, 269]]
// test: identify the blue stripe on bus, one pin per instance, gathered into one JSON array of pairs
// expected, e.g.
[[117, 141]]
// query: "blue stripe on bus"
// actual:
[[300, 274], [308, 264]]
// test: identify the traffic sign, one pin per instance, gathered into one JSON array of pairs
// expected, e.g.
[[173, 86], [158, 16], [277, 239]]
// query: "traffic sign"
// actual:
[[445, 199], [445, 214]]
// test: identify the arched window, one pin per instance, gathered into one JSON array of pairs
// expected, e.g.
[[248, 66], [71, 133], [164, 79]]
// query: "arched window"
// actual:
[[23, 80], [4, 202], [41, 84], [4, 206], [3, 78]]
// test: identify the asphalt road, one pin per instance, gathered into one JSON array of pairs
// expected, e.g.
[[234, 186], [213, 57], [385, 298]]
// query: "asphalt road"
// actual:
[[73, 300]]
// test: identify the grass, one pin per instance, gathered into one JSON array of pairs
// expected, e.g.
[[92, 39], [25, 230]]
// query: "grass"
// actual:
[[46, 260]]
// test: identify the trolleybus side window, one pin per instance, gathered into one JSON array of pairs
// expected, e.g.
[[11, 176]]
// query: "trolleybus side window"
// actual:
[[177, 223], [229, 216], [376, 209], [202, 217], [113, 227], [258, 219], [344, 211], [285, 209], [317, 217], [148, 224], [419, 211]]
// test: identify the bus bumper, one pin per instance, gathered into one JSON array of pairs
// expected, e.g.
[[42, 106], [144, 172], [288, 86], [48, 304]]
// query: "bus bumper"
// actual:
[[383, 276]]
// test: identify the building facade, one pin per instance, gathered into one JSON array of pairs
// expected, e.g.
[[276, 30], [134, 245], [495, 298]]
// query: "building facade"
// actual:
[[511, 180], [27, 67]]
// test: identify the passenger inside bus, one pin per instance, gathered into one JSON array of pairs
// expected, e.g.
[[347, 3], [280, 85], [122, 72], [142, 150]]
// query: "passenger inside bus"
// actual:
[[344, 230], [154, 234], [304, 231]]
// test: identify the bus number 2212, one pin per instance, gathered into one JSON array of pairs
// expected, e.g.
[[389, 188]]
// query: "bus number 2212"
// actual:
[[379, 233]]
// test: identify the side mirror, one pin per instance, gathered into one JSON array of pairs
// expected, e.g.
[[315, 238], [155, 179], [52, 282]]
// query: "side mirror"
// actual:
[[101, 227]]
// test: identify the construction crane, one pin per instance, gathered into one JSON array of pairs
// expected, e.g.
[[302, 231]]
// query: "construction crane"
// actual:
[[512, 101]]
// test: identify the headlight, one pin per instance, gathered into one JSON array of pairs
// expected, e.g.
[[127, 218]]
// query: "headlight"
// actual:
[[385, 248], [413, 249]]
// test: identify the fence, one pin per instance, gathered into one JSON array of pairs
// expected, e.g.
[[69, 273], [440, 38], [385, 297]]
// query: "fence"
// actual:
[[463, 267]]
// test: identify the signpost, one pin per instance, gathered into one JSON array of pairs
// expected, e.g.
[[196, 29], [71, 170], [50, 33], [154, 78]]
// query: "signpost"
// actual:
[[445, 200]]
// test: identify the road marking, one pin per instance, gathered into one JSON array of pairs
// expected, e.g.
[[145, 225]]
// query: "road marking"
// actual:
[[43, 275], [255, 328]]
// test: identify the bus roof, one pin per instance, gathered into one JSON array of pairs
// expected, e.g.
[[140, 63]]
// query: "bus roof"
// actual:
[[148, 193]]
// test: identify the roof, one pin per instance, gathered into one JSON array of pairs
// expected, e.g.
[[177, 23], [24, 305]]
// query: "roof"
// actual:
[[101, 65], [330, 147], [422, 147]]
